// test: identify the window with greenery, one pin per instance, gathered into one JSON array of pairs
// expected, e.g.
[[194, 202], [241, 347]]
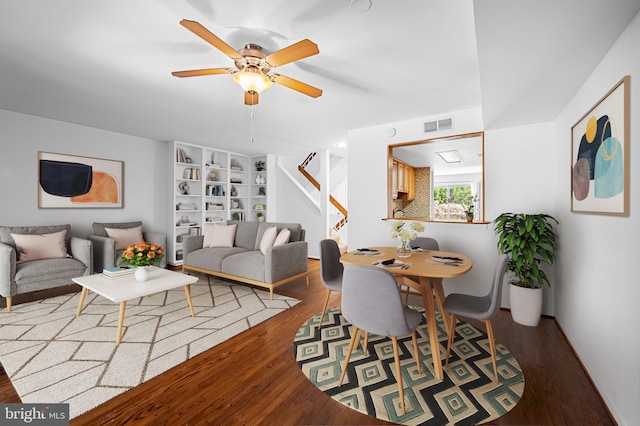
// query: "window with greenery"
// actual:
[[452, 201]]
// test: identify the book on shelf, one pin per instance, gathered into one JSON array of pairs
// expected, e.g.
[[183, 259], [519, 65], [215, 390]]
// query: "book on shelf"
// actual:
[[118, 271]]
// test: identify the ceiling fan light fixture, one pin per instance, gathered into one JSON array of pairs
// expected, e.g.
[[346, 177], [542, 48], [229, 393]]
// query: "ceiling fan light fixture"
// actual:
[[251, 80]]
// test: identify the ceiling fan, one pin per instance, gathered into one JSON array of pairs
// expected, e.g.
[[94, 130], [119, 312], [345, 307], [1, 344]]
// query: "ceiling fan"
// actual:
[[253, 65]]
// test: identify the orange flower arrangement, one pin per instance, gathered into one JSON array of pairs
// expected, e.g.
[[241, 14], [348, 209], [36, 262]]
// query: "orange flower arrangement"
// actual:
[[142, 254]]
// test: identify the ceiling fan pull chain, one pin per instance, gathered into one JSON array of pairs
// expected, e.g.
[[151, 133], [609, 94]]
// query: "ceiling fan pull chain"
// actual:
[[252, 118]]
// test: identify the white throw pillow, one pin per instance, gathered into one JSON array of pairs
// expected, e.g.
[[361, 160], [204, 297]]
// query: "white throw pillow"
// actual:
[[216, 235], [268, 238], [40, 246], [283, 237], [125, 236]]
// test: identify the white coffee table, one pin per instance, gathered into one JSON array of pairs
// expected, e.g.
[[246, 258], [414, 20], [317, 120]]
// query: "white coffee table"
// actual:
[[125, 288]]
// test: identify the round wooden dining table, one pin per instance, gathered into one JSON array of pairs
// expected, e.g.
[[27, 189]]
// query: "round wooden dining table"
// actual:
[[423, 271]]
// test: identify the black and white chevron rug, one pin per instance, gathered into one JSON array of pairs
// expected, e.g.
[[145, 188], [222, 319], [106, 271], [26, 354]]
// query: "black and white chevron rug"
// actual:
[[466, 396]]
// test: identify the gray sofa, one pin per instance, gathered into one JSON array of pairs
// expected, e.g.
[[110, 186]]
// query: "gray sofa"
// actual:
[[105, 254], [245, 262], [25, 277]]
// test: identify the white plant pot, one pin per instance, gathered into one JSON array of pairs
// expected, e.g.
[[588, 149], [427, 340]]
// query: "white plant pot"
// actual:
[[526, 305]]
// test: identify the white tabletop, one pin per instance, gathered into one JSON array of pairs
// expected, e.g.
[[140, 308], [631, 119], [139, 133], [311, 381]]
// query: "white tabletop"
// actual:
[[127, 288]]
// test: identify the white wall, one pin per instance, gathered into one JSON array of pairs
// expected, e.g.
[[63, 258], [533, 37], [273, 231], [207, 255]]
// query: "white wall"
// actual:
[[145, 192], [598, 290], [510, 185]]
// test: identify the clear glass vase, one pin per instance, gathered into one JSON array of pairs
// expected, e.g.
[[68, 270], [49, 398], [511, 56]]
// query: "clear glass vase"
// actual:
[[404, 249]]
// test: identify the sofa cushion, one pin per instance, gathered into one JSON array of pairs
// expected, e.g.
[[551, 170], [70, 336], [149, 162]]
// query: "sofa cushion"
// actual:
[[211, 257], [283, 237], [216, 235], [125, 237], [246, 234], [48, 269], [40, 246], [100, 228], [268, 238], [249, 264], [6, 231], [294, 228]]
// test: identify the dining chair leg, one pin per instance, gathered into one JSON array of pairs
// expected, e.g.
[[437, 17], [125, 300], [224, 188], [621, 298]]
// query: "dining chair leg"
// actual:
[[324, 309], [366, 342], [452, 333], [355, 338], [492, 347], [396, 357], [416, 351]]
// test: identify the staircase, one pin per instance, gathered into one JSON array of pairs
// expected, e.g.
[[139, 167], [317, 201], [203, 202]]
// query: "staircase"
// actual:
[[302, 168]]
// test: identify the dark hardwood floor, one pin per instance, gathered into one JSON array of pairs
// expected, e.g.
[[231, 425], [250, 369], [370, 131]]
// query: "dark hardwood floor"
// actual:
[[252, 379]]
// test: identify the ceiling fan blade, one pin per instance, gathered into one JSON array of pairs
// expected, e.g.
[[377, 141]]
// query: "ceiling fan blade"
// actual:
[[210, 38], [251, 98], [206, 71], [296, 85], [296, 51]]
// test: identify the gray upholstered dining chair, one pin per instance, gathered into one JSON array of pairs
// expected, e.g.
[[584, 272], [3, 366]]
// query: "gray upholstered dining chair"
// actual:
[[371, 302], [478, 307], [330, 270]]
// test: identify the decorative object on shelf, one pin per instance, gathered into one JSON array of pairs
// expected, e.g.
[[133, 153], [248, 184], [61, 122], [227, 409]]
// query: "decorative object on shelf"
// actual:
[[235, 204], [186, 206], [260, 216], [405, 234], [260, 180], [141, 254], [235, 180], [215, 206], [260, 166], [262, 191], [213, 176], [184, 187], [530, 240], [235, 165], [259, 207], [184, 221], [213, 162], [234, 192], [187, 173]]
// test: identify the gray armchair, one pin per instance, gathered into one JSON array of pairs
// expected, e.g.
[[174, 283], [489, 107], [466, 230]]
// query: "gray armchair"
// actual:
[[105, 252], [19, 275]]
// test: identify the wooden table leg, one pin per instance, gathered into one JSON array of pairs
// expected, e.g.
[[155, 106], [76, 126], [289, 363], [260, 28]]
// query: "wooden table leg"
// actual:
[[83, 294], [430, 314], [439, 292], [187, 291], [123, 306]]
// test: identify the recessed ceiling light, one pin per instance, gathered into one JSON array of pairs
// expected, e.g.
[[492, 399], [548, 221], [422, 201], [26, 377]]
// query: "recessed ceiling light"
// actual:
[[450, 156], [341, 144]]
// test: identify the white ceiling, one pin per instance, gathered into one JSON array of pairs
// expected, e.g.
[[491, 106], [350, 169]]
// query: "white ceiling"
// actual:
[[107, 64]]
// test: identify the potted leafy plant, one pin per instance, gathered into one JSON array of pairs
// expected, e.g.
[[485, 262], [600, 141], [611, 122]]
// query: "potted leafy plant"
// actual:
[[530, 240], [260, 216]]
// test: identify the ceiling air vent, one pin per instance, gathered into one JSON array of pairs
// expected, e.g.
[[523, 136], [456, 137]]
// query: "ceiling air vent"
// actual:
[[438, 125], [431, 126]]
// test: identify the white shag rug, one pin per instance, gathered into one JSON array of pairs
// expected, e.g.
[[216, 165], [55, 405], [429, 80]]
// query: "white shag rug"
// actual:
[[52, 356]]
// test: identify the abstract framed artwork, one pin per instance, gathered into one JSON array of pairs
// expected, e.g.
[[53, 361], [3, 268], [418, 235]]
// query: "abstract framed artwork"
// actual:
[[600, 155], [72, 181]]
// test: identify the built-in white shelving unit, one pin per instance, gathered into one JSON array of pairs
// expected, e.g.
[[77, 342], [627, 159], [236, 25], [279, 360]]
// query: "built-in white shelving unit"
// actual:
[[211, 185]]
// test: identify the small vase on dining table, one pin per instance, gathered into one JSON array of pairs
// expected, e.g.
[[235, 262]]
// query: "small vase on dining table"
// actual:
[[404, 249]]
